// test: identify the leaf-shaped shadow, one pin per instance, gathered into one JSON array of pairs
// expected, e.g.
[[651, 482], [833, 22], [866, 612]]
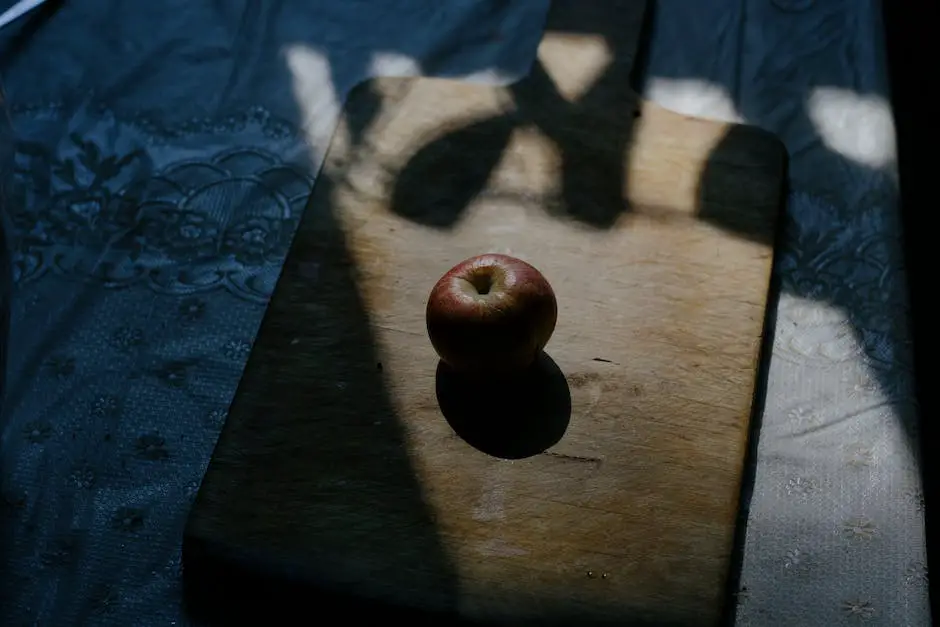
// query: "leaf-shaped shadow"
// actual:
[[368, 105], [732, 189], [443, 177], [592, 167]]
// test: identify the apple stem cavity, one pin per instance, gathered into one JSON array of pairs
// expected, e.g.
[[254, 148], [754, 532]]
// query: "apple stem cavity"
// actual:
[[482, 282]]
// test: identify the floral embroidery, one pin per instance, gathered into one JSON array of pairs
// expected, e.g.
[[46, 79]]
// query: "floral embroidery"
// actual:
[[858, 609], [866, 387], [793, 558], [916, 573], [106, 406], [184, 235], [862, 528], [127, 338], [192, 309], [37, 432], [237, 350], [127, 519], [230, 220], [800, 486], [915, 497], [192, 487], [174, 567], [83, 477], [216, 418], [151, 446], [254, 242], [83, 208], [173, 373], [860, 456], [803, 417]]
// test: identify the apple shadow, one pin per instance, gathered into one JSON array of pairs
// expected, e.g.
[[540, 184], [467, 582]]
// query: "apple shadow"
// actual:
[[509, 418]]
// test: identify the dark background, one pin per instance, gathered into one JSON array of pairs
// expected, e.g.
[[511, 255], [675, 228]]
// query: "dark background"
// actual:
[[910, 32]]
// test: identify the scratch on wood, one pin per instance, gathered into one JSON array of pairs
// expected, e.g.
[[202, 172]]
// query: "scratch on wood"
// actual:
[[574, 458], [580, 506], [395, 330]]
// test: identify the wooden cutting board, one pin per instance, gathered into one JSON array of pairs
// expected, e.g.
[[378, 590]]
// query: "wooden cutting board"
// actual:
[[348, 463]]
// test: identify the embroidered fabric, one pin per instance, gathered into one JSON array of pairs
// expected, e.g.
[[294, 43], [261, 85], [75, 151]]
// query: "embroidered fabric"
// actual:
[[153, 199], [6, 280]]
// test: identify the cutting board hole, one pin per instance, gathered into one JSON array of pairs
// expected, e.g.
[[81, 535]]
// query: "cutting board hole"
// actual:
[[507, 418]]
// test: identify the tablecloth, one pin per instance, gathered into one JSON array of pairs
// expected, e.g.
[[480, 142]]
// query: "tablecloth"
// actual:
[[164, 155]]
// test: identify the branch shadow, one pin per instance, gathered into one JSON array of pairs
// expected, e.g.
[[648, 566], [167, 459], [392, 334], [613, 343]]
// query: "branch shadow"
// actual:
[[592, 182], [311, 493], [440, 181]]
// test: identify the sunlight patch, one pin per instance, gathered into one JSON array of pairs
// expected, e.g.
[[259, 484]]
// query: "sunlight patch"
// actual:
[[858, 127], [694, 97], [393, 64], [574, 62], [316, 96]]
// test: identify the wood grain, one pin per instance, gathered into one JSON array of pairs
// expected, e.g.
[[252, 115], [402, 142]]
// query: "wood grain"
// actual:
[[348, 461]]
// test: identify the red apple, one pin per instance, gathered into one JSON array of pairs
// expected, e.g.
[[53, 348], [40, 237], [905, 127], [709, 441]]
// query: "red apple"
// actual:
[[491, 314]]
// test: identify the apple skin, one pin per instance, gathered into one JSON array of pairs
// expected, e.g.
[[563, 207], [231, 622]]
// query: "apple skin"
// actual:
[[491, 314]]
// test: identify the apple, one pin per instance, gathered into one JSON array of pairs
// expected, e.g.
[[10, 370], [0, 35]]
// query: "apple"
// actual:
[[491, 314]]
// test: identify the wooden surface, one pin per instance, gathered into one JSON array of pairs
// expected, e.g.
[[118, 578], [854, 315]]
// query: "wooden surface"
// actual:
[[614, 501]]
